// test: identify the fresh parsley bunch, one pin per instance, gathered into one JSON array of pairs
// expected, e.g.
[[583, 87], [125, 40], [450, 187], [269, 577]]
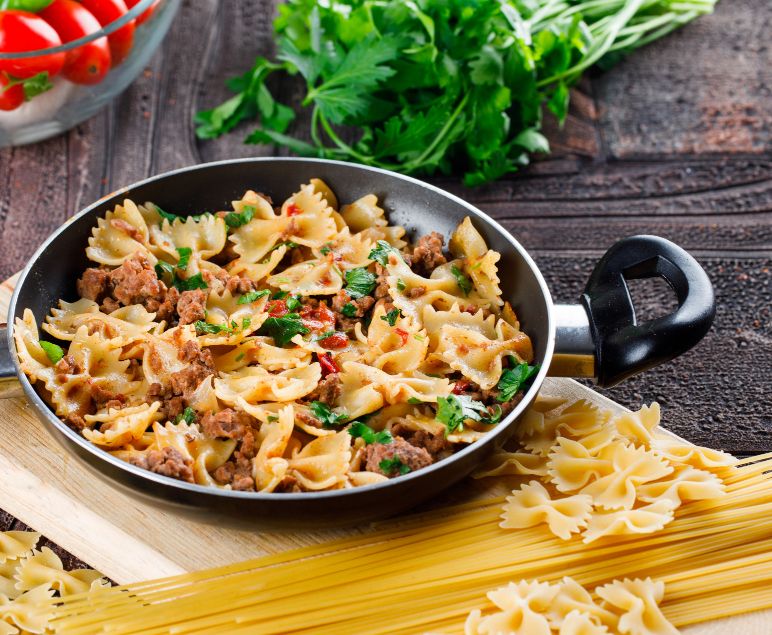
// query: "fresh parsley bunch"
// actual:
[[421, 86]]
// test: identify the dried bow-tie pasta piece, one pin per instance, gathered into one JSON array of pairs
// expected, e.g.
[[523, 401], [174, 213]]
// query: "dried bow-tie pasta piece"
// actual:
[[632, 466], [17, 544], [520, 610], [573, 598], [578, 623], [512, 464], [681, 453], [120, 234], [639, 427], [31, 612], [45, 568], [571, 466], [685, 484], [637, 603], [644, 520], [532, 505]]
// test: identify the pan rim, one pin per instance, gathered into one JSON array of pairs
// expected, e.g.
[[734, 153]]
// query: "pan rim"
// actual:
[[44, 411]]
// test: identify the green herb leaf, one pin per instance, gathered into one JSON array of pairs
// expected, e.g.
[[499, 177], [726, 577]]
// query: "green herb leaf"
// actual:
[[204, 328], [32, 86], [323, 336], [513, 379], [294, 303], [188, 416], [492, 415], [326, 415], [359, 282], [283, 329], [162, 267], [185, 253], [392, 316], [463, 281], [325, 250], [191, 283], [279, 295], [380, 253], [394, 464], [401, 286], [253, 296], [349, 310], [54, 352], [414, 400], [358, 429], [237, 219], [450, 413]]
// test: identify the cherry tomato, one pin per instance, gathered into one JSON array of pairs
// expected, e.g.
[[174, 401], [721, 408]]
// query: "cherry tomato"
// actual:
[[87, 64], [328, 364], [336, 340], [21, 31], [11, 97], [142, 17], [108, 11]]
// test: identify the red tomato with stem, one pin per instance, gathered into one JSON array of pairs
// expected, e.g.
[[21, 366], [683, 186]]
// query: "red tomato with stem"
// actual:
[[22, 31], [107, 12], [145, 15], [11, 95], [87, 64]]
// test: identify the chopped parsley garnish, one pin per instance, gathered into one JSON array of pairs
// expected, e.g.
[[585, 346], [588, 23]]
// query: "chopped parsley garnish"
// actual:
[[54, 352], [464, 281], [279, 295], [286, 243], [359, 282], [253, 296], [237, 219], [204, 328], [240, 356], [349, 310], [185, 253], [401, 286], [380, 253], [325, 250], [453, 410], [283, 329], [391, 316], [245, 323], [170, 217], [414, 400], [362, 430], [293, 303], [515, 378], [188, 416], [492, 416], [393, 464], [188, 284], [162, 267], [173, 217], [323, 336], [328, 418]]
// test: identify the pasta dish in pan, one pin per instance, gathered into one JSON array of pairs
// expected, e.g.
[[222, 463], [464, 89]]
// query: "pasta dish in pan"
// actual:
[[303, 347]]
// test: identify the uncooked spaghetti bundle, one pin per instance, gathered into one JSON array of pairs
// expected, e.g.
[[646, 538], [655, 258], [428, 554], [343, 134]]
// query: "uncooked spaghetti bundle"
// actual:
[[708, 556]]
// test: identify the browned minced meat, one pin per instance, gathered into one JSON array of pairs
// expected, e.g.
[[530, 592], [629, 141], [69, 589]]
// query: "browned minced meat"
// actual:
[[381, 284], [200, 365], [66, 366], [416, 292], [191, 306], [128, 229], [227, 424], [103, 396], [75, 421], [308, 418], [427, 254], [327, 390], [135, 282], [168, 462], [435, 444], [237, 284], [415, 458], [171, 405], [362, 305], [238, 471], [94, 284]]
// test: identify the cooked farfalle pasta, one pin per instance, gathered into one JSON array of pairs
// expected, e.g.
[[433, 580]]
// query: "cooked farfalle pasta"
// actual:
[[298, 347], [30, 578], [604, 473]]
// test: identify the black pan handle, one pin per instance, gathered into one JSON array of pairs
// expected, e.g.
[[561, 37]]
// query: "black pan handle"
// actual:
[[623, 347], [9, 382]]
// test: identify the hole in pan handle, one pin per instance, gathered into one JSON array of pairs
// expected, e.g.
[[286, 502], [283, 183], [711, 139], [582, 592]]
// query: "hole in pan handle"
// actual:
[[602, 338]]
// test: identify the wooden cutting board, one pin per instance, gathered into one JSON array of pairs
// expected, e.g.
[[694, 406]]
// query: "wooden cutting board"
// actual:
[[127, 540]]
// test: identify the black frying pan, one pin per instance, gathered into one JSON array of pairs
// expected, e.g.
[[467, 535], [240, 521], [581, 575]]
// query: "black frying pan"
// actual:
[[598, 337]]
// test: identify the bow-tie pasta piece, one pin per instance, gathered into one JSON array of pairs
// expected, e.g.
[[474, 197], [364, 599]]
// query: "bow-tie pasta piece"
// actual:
[[396, 347], [205, 236], [637, 602], [573, 598], [632, 467], [680, 453], [230, 322], [45, 568], [512, 464], [119, 235], [571, 466], [434, 320], [17, 544], [31, 612], [261, 351], [269, 467], [347, 251], [644, 520], [366, 219], [32, 358], [520, 611], [7, 581], [479, 263], [532, 505], [119, 426], [685, 484], [586, 423], [254, 384], [256, 271], [578, 623], [312, 277], [639, 427], [161, 359], [323, 463]]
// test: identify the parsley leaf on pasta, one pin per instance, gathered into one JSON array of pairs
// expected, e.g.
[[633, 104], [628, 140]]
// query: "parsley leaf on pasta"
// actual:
[[365, 432], [380, 253], [349, 310], [54, 352], [188, 284], [394, 464], [237, 219], [513, 379], [185, 254], [391, 316], [453, 410], [328, 418], [253, 296], [359, 282], [463, 280], [188, 416], [283, 329]]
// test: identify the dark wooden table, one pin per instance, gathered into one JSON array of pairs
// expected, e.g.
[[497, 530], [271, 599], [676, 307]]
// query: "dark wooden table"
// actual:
[[674, 141]]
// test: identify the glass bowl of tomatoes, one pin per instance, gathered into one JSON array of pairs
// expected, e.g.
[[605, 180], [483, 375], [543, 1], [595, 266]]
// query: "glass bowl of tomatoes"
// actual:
[[63, 60]]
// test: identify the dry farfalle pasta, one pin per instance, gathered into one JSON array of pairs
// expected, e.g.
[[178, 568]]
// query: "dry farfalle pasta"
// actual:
[[195, 339], [627, 607], [604, 473], [29, 578]]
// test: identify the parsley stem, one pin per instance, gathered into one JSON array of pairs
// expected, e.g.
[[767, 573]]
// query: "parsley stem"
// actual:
[[340, 143], [411, 165]]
